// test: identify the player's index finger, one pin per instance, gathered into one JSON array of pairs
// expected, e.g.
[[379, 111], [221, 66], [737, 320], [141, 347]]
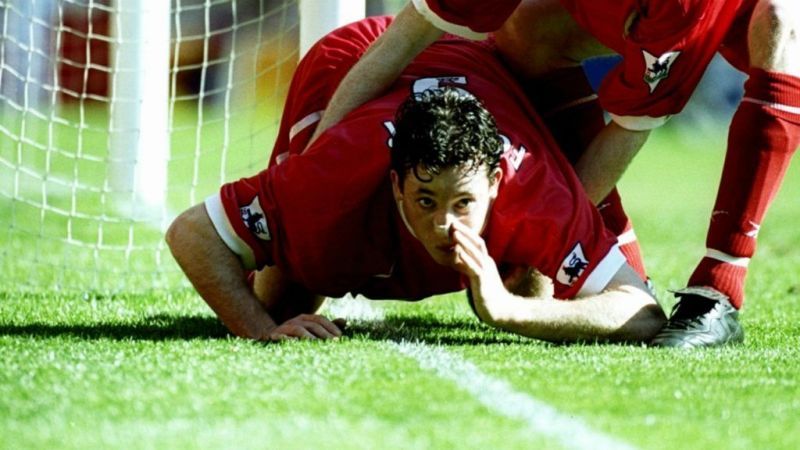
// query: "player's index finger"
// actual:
[[318, 330], [467, 241], [329, 326]]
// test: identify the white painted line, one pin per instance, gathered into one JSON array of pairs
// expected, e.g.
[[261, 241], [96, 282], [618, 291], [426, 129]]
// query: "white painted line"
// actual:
[[495, 394], [499, 396]]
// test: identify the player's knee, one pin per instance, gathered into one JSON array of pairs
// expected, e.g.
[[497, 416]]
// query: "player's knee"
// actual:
[[774, 36]]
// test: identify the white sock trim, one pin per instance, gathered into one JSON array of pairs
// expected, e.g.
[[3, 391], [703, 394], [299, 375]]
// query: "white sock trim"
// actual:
[[726, 258], [778, 106], [626, 237]]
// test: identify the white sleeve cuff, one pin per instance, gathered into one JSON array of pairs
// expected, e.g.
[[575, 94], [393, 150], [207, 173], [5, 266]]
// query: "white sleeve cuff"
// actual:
[[437, 21], [216, 212], [603, 273], [639, 123]]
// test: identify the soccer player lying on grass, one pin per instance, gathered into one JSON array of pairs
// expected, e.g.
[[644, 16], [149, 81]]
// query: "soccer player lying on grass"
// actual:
[[665, 46], [541, 44], [439, 200]]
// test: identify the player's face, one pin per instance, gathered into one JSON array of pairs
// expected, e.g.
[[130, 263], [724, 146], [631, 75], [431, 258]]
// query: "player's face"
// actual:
[[430, 207]]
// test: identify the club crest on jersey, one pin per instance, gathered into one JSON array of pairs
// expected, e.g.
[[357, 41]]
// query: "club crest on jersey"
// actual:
[[573, 266], [514, 155], [255, 220], [657, 67]]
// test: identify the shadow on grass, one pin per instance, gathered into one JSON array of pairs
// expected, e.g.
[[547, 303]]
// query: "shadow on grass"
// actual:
[[431, 331], [168, 327], [159, 327], [457, 331]]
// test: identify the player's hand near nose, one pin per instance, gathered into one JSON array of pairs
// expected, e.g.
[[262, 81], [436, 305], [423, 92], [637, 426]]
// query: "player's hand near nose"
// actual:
[[473, 260]]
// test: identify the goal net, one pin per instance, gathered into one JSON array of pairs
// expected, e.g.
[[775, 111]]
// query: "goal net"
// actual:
[[116, 115]]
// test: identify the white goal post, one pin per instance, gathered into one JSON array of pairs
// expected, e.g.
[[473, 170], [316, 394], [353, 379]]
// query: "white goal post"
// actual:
[[139, 135], [117, 114], [318, 17]]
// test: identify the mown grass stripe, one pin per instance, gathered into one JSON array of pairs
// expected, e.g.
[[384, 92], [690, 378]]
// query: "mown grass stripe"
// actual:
[[499, 396]]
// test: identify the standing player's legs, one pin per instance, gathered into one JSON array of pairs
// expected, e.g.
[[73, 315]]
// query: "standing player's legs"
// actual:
[[540, 43], [569, 107], [764, 134]]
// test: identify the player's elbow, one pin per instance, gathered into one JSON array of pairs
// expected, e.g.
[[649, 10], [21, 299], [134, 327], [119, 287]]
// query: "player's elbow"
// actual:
[[181, 232], [642, 325], [175, 231]]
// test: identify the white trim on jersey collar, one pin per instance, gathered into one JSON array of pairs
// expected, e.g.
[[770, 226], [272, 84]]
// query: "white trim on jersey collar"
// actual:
[[216, 212], [442, 24], [639, 123], [603, 272]]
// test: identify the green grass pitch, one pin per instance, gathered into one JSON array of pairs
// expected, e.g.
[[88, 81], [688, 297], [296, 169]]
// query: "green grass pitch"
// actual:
[[156, 370]]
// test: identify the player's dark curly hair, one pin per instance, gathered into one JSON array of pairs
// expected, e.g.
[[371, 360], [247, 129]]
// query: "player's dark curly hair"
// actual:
[[442, 128]]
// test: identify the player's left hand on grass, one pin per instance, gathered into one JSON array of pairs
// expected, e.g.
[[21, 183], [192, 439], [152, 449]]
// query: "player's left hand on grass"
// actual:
[[308, 326], [473, 260]]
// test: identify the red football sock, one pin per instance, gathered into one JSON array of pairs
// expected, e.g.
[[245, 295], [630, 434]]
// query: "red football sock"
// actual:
[[633, 253], [764, 134], [618, 223]]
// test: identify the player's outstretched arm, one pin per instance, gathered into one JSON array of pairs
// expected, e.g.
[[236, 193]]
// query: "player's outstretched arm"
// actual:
[[607, 158], [624, 311], [379, 67], [217, 274]]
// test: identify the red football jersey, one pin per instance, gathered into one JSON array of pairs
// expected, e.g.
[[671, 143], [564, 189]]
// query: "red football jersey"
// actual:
[[470, 19], [326, 214], [666, 45]]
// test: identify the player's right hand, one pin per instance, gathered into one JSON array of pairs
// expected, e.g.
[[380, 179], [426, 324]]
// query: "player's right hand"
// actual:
[[308, 326]]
